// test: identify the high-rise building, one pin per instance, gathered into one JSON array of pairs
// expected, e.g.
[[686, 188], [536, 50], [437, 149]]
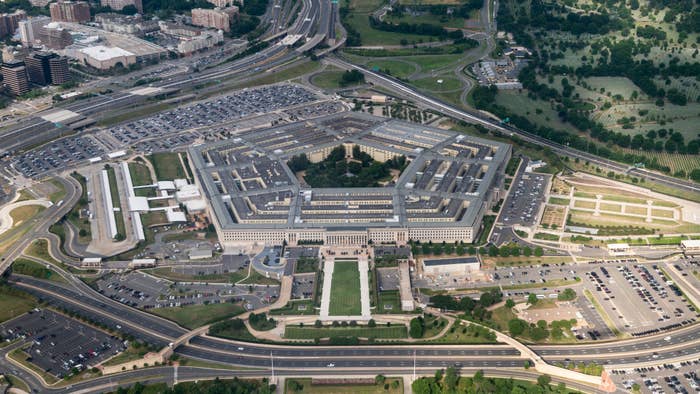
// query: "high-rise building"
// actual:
[[70, 11], [216, 18], [10, 22], [38, 68], [118, 5], [29, 29], [59, 70], [53, 36], [14, 75], [221, 3]]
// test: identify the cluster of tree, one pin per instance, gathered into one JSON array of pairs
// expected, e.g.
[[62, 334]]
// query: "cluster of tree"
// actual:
[[514, 250], [424, 29], [449, 381], [541, 330], [261, 322], [9, 6], [353, 39], [552, 17], [352, 77], [463, 11], [244, 25], [417, 327], [232, 329], [473, 309], [651, 32], [336, 171], [169, 7], [215, 386], [567, 295], [439, 248]]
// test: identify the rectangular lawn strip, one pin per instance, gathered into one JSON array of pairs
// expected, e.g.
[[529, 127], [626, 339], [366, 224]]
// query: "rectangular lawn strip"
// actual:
[[387, 298], [636, 210], [114, 191], [167, 166], [14, 303], [662, 213], [345, 289], [584, 204], [292, 308], [296, 332], [74, 214], [559, 201], [604, 206], [676, 240], [30, 268], [395, 387], [633, 200], [546, 236], [168, 273], [193, 316]]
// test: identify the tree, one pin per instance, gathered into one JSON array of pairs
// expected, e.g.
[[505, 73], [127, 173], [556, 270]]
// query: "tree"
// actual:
[[510, 303], [567, 295], [295, 386], [532, 299], [517, 326], [416, 327], [379, 380], [544, 380], [371, 323], [451, 378], [539, 251], [527, 251]]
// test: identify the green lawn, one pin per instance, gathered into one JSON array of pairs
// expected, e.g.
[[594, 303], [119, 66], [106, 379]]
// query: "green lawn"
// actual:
[[559, 201], [193, 316], [114, 191], [345, 289], [438, 83], [395, 386], [396, 68], [74, 215], [293, 308], [167, 166], [295, 332], [22, 214], [40, 249], [139, 174], [168, 273], [31, 268], [329, 80], [387, 298], [13, 303], [131, 353]]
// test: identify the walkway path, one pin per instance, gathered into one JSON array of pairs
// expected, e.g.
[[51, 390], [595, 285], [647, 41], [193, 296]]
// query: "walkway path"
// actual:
[[363, 267], [328, 267]]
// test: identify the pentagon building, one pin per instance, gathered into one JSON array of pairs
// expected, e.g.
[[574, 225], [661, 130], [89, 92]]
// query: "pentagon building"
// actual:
[[449, 182]]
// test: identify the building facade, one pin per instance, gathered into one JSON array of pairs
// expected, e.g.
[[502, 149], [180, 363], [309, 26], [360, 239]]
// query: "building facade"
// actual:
[[70, 11], [10, 22], [29, 29], [118, 5], [15, 77], [53, 36], [217, 18], [59, 70]]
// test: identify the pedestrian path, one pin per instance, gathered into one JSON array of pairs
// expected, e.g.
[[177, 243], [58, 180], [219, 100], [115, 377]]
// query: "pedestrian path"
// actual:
[[363, 267], [328, 266]]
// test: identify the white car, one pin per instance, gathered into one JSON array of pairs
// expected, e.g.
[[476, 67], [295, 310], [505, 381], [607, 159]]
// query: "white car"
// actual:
[[330, 365]]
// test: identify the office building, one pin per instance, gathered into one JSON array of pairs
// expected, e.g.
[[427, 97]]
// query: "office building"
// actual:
[[38, 68], [53, 36], [70, 11], [216, 18], [14, 75], [59, 70]]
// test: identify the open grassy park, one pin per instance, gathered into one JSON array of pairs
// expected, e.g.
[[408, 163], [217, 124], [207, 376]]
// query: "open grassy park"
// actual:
[[345, 289], [296, 332], [297, 385], [14, 303], [167, 166], [193, 316]]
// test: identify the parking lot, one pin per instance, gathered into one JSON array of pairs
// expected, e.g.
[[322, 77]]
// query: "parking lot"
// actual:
[[303, 286], [228, 264], [144, 291], [525, 199], [680, 378], [388, 279], [59, 344], [58, 155], [638, 298], [206, 113]]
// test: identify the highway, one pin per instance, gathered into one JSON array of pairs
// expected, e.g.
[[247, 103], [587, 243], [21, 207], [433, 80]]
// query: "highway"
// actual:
[[406, 90]]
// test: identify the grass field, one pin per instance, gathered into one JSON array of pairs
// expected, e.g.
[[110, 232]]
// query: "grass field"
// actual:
[[168, 273], [74, 215], [438, 84], [31, 268], [635, 210], [395, 386], [397, 68], [116, 203], [193, 316], [40, 249], [22, 214], [131, 353], [584, 204], [553, 216], [546, 236], [293, 308], [559, 201], [140, 175], [395, 331], [327, 79], [345, 289], [604, 206], [167, 166], [389, 298], [12, 305]]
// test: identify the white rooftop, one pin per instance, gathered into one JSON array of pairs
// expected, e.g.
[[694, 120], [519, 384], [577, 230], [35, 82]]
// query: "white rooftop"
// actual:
[[691, 243], [166, 185], [175, 217], [138, 204], [618, 246], [101, 52]]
